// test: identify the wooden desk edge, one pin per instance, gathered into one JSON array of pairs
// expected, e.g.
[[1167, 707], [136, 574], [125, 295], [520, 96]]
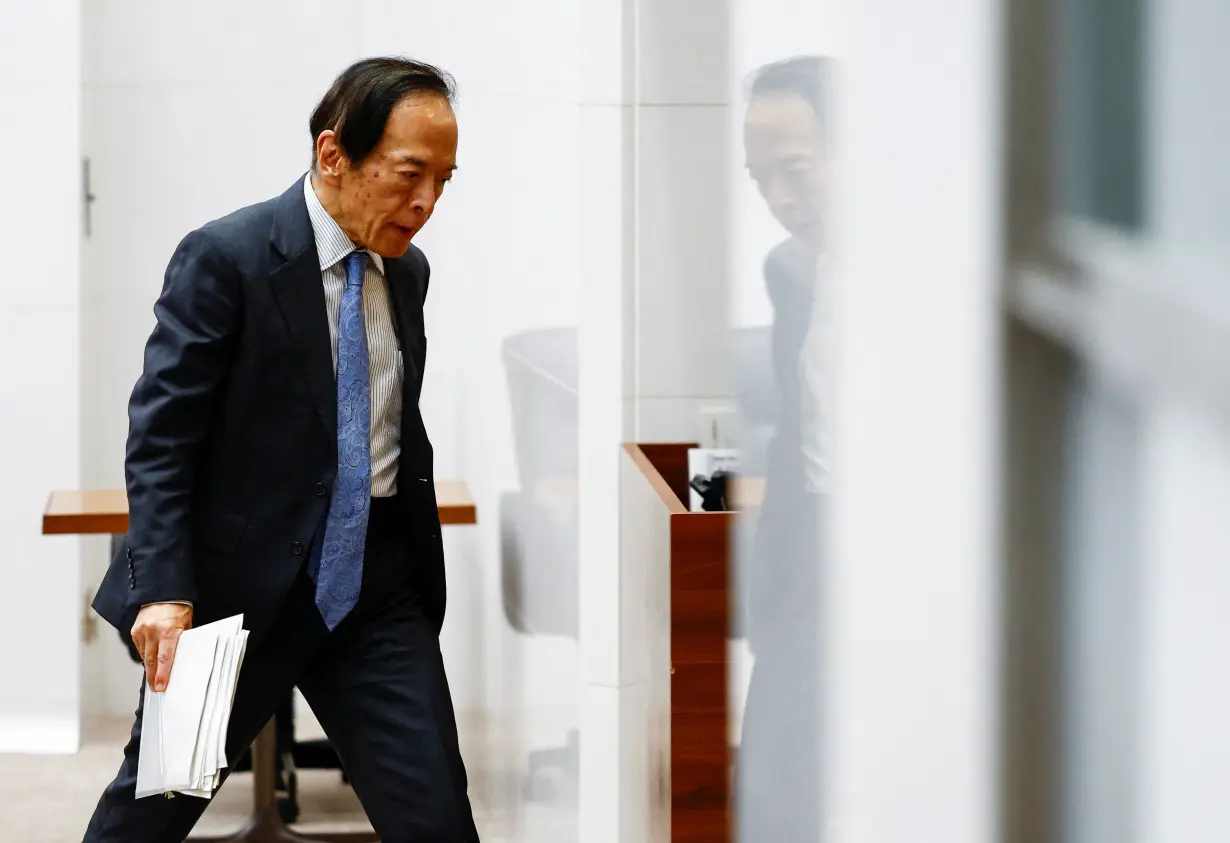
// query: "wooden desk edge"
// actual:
[[747, 493], [60, 518]]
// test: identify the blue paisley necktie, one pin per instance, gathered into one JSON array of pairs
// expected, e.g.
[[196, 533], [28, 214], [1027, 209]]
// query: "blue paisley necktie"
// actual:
[[341, 561]]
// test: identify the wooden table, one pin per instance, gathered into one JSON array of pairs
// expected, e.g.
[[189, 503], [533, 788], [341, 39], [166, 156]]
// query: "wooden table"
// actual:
[[105, 512]]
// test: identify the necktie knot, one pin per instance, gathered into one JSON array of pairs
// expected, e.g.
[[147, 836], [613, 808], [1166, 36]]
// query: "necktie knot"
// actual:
[[356, 265]]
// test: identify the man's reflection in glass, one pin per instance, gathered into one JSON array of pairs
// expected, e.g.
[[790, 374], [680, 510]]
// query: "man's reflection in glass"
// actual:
[[778, 778]]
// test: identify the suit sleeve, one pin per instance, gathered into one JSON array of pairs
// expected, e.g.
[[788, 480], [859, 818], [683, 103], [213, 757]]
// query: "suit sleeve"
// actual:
[[425, 274], [777, 287], [170, 413], [784, 456], [425, 269]]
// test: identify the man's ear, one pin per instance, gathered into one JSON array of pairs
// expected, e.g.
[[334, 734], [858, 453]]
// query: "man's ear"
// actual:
[[331, 161]]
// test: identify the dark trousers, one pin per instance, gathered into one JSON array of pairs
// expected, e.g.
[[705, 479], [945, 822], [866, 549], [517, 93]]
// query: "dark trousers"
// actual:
[[778, 775], [377, 686], [777, 778]]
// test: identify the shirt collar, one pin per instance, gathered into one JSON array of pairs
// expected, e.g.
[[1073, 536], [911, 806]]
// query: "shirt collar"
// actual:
[[332, 244]]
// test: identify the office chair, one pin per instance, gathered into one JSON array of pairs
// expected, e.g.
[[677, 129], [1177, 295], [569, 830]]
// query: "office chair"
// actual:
[[538, 521]]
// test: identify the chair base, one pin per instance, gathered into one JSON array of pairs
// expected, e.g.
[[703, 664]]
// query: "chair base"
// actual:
[[538, 784]]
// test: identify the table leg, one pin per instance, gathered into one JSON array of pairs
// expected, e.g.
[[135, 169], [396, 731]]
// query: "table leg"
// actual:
[[265, 825]]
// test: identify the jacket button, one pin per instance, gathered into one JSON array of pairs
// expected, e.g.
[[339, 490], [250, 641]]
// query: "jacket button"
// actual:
[[319, 489], [296, 549]]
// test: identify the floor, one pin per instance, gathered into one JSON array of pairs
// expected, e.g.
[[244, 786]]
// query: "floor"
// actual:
[[49, 799]]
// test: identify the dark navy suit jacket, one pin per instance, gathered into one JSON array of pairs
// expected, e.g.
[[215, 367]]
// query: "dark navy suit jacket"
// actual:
[[232, 444], [785, 564]]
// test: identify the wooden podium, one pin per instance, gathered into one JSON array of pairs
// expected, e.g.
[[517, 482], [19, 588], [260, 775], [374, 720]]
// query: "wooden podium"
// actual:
[[105, 511], [696, 783]]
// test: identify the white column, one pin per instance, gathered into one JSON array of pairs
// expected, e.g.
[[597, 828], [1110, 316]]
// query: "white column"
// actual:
[[652, 344], [41, 422], [604, 337]]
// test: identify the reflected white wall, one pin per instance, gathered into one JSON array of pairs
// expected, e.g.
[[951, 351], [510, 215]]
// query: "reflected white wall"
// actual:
[[761, 33], [775, 672]]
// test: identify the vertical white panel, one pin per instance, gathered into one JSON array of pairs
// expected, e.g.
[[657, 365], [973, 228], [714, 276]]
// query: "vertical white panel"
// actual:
[[645, 642], [697, 75], [910, 594], [604, 375], [1184, 739], [603, 351], [40, 427], [1186, 588], [1102, 620]]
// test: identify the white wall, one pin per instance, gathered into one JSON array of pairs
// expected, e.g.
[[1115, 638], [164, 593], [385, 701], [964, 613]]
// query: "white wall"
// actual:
[[178, 133], [40, 428]]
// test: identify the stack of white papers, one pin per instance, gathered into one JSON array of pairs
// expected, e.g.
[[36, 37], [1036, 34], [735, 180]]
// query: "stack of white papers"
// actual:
[[183, 729]]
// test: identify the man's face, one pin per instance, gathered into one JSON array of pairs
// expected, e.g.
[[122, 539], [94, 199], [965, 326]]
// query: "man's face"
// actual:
[[782, 142], [383, 202]]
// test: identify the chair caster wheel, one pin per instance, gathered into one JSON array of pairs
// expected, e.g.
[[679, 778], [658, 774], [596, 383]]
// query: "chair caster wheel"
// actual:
[[288, 802]]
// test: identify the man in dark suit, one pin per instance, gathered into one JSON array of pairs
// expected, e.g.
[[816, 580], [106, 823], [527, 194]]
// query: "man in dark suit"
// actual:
[[778, 777], [277, 465]]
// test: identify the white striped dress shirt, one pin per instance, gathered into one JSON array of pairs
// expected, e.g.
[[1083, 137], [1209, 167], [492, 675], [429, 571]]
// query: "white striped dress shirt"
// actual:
[[384, 353]]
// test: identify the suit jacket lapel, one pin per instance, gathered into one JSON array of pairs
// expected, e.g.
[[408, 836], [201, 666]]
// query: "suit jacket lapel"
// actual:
[[408, 311], [300, 294]]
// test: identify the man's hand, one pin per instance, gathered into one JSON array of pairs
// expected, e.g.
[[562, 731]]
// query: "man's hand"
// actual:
[[156, 632]]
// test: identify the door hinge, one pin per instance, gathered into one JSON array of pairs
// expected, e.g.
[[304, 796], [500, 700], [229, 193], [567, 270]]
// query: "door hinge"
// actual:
[[87, 198]]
